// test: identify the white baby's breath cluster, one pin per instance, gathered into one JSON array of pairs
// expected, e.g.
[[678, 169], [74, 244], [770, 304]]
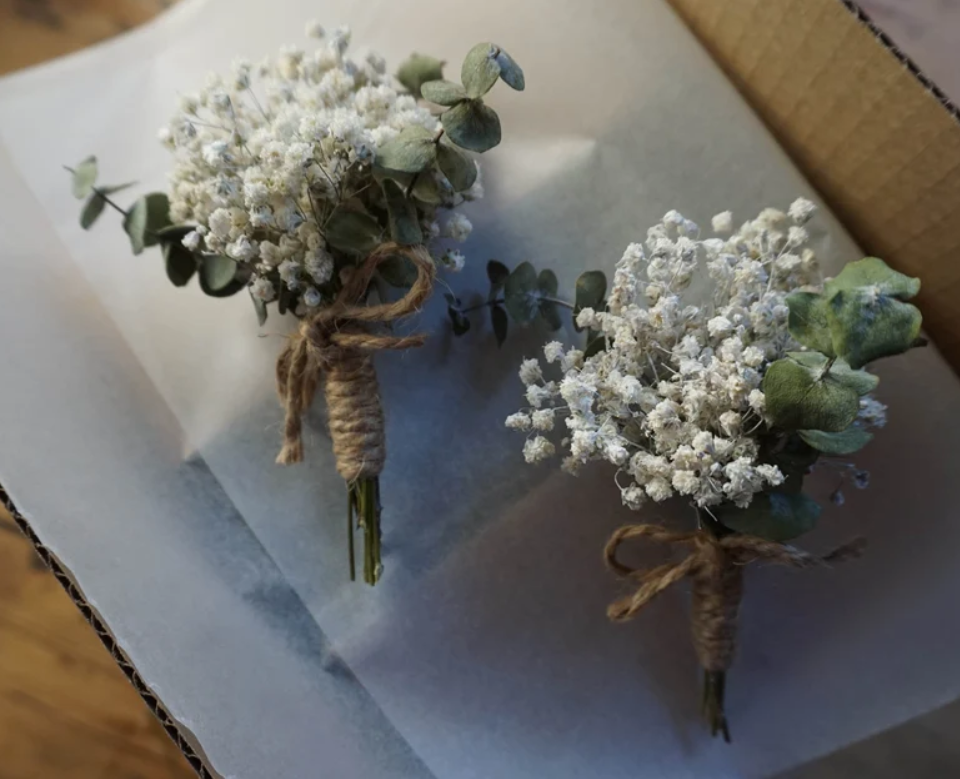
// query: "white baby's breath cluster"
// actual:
[[675, 399], [262, 157]]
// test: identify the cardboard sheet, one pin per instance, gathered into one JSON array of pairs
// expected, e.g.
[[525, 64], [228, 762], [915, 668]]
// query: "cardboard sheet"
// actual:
[[138, 427]]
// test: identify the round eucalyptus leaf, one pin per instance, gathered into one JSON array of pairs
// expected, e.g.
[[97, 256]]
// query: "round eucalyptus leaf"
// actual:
[[402, 214], [460, 170], [590, 291], [352, 231], [443, 92], [798, 398], [84, 178], [480, 69], [550, 313], [520, 293], [808, 321], [92, 210], [848, 441], [859, 381], [219, 277], [510, 71], [501, 324], [775, 516], [146, 218], [412, 151], [180, 263], [472, 125], [427, 190], [418, 69], [866, 326], [874, 273]]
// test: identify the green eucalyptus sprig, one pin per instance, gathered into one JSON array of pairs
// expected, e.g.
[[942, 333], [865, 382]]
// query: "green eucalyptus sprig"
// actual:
[[526, 296], [147, 223], [813, 397]]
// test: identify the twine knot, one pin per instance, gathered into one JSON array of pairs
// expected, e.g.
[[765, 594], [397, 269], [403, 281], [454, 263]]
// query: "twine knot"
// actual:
[[334, 347], [716, 568]]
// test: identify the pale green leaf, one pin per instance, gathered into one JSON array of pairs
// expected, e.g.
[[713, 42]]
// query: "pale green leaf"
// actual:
[[353, 231], [426, 190], [480, 69], [808, 321], [412, 151], [775, 516], [398, 271], [472, 125], [92, 210], [460, 170], [219, 276], [404, 224], [84, 178], [146, 218], [547, 285], [443, 92], [860, 381], [866, 326], [874, 273], [416, 70], [520, 293], [848, 441], [799, 398], [261, 308]]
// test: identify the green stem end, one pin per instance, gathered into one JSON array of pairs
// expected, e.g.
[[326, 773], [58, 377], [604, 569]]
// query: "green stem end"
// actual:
[[363, 508]]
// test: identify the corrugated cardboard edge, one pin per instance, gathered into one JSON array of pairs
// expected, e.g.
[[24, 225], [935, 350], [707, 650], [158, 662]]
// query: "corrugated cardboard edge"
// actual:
[[879, 141], [186, 742]]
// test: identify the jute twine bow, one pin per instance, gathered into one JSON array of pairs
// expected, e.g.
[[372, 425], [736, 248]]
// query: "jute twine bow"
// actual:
[[334, 347], [716, 568]]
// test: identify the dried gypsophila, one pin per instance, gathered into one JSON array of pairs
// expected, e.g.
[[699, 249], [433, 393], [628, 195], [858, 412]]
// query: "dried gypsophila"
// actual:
[[675, 399]]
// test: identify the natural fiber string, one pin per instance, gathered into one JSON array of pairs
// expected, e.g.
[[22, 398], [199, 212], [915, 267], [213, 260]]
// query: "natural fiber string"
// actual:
[[334, 347], [716, 568]]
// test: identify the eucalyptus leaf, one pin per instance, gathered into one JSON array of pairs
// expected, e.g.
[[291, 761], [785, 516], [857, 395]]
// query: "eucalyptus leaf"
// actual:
[[353, 231], [84, 178], [480, 69], [874, 273], [520, 293], [551, 314], [261, 308], [775, 516], [443, 92], [861, 382], [398, 271], [500, 324], [547, 285], [866, 326], [460, 170], [146, 218], [497, 272], [180, 263], [510, 71], [596, 342], [174, 233], [800, 398], [92, 210], [590, 291], [472, 125], [416, 70], [848, 441], [426, 190], [459, 322], [412, 151], [404, 224], [219, 276], [286, 300], [808, 321]]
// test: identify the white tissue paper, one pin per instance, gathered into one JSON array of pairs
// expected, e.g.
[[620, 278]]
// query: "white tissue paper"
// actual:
[[139, 424]]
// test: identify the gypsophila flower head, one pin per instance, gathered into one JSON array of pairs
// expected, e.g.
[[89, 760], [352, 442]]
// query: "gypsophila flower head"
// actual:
[[265, 155], [674, 401]]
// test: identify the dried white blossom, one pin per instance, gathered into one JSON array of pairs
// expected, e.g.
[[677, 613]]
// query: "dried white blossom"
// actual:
[[265, 153], [674, 401]]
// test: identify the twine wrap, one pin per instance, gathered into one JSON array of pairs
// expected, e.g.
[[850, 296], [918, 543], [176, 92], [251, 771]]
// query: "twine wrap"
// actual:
[[334, 348], [716, 568]]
